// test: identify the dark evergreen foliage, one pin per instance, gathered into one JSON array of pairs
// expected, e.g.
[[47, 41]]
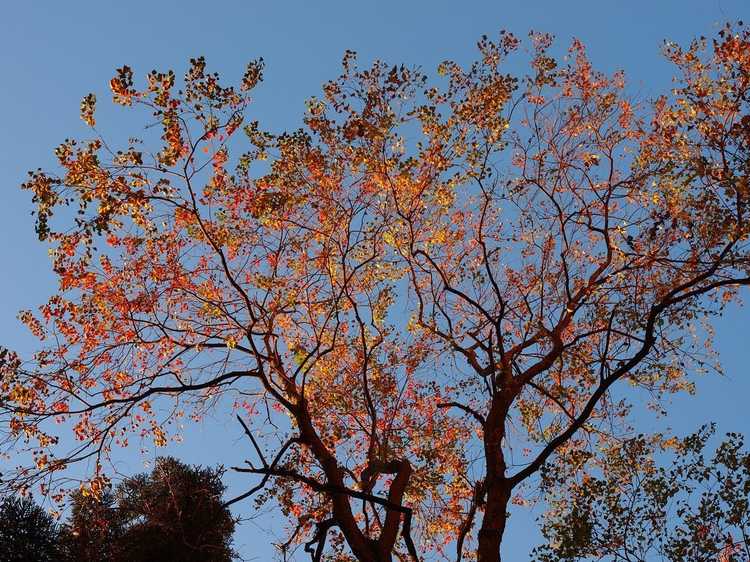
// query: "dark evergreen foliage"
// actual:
[[27, 532], [173, 514]]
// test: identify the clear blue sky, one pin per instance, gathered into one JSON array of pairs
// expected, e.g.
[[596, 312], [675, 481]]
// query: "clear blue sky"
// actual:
[[53, 53]]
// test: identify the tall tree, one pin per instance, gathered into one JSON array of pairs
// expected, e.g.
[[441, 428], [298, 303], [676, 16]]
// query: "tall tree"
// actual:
[[175, 513], [27, 532], [423, 280]]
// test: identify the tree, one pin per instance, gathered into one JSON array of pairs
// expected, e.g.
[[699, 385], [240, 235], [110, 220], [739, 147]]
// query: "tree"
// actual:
[[421, 281], [173, 514], [27, 532], [696, 510], [176, 514], [94, 529]]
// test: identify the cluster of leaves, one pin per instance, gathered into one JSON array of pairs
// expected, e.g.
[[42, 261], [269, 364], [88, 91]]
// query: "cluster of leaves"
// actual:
[[400, 295], [175, 514], [629, 507]]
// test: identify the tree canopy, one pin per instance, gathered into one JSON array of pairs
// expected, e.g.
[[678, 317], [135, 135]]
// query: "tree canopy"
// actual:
[[27, 532], [175, 513], [412, 303]]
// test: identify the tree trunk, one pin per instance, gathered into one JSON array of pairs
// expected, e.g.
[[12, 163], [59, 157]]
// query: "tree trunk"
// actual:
[[497, 487], [364, 548], [493, 522]]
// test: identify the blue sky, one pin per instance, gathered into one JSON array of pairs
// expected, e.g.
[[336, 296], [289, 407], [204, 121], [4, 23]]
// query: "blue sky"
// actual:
[[53, 53]]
